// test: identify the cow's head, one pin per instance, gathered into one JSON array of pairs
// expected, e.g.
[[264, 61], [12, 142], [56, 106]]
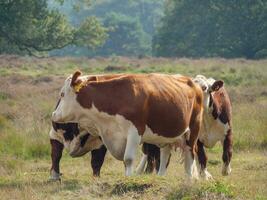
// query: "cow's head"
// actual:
[[76, 141], [208, 85], [68, 107]]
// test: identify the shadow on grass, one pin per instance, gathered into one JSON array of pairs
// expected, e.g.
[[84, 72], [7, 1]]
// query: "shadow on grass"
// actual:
[[122, 188], [68, 185], [214, 162]]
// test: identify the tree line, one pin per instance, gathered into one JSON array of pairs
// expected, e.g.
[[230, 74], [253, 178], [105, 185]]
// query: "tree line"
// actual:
[[170, 28]]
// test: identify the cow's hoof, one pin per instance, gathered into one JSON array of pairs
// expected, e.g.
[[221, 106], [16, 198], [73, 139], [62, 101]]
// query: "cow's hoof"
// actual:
[[226, 170], [54, 179], [206, 175], [54, 176]]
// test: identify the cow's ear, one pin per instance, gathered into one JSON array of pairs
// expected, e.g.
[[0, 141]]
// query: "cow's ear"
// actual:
[[74, 78], [217, 85]]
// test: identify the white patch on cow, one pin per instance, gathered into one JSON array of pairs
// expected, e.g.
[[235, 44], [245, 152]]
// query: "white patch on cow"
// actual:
[[190, 164], [113, 129], [205, 84], [68, 108], [164, 157], [226, 170], [212, 130], [133, 140], [205, 174]]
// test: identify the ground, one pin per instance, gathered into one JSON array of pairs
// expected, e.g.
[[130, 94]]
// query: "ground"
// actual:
[[29, 180], [29, 88]]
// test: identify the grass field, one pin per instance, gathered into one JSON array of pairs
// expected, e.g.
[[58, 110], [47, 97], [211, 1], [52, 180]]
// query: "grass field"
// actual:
[[28, 92]]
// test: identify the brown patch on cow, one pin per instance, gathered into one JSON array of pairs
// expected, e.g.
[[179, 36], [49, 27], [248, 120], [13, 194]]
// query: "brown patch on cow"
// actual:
[[56, 154], [202, 156], [222, 108], [97, 159], [165, 103], [217, 85], [227, 147], [80, 84]]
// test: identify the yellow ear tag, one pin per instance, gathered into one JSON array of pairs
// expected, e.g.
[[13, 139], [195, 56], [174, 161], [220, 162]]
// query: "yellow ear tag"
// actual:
[[79, 86]]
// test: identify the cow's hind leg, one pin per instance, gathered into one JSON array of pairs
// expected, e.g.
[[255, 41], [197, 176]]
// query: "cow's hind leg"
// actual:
[[227, 153], [56, 154], [164, 158], [153, 158], [133, 140], [202, 159], [97, 159], [190, 149]]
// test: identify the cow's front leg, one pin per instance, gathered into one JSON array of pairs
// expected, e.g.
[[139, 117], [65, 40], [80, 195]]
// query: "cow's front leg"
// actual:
[[227, 153], [56, 154], [202, 159], [133, 140], [97, 159], [164, 158]]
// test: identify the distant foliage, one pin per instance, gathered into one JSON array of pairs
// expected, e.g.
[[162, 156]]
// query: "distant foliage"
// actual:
[[126, 37], [29, 27], [208, 28], [131, 24]]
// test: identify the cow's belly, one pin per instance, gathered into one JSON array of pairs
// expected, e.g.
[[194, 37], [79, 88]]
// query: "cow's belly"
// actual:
[[112, 129], [154, 138], [210, 134]]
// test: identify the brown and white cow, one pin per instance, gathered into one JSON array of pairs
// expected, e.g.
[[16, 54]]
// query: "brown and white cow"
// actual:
[[217, 123], [216, 127], [132, 109]]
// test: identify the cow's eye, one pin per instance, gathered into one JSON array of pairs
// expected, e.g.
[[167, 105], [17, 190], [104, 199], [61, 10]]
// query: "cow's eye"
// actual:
[[62, 94]]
